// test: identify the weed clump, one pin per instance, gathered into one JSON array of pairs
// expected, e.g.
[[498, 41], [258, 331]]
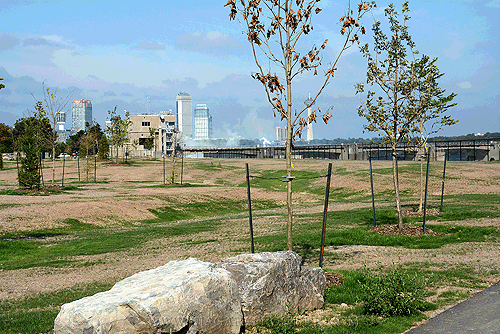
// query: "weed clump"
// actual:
[[393, 293]]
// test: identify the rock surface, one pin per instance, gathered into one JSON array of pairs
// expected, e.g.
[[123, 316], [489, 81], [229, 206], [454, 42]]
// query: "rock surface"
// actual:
[[272, 283], [185, 296]]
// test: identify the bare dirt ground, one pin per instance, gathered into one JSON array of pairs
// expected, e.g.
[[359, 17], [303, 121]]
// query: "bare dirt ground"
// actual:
[[124, 194]]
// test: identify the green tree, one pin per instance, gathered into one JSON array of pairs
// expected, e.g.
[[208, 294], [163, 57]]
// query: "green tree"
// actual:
[[6, 144], [274, 29], [88, 146], [118, 130], [149, 142], [31, 134], [409, 91], [73, 142], [103, 150]]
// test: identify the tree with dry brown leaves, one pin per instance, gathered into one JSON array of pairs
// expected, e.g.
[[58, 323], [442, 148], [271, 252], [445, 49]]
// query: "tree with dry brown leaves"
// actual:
[[273, 29]]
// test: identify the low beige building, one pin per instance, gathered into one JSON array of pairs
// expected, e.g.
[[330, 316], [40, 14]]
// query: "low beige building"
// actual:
[[164, 126]]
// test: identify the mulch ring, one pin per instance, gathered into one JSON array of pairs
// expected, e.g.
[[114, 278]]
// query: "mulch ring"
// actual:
[[333, 279], [407, 230]]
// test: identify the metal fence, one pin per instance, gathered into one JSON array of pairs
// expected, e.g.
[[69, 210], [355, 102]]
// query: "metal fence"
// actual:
[[461, 150]]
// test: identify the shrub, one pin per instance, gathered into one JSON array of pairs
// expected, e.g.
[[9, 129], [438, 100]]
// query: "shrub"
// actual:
[[280, 324], [396, 292]]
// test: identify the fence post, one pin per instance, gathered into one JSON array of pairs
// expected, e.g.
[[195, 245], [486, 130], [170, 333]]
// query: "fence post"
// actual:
[[373, 196], [41, 168], [62, 180], [442, 186], [325, 211], [182, 164], [78, 162], [426, 187], [95, 168], [249, 208]]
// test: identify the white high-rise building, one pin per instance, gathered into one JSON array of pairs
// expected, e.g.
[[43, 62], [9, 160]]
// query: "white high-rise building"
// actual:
[[60, 127], [184, 114], [309, 102], [202, 122], [280, 134]]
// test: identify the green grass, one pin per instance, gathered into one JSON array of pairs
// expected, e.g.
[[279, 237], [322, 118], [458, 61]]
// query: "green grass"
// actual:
[[352, 228], [35, 252], [304, 182], [36, 313], [42, 192], [181, 211], [211, 166]]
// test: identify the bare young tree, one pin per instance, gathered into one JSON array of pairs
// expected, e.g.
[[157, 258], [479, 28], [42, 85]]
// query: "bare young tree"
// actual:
[[409, 91], [54, 106], [176, 150], [274, 29], [88, 144]]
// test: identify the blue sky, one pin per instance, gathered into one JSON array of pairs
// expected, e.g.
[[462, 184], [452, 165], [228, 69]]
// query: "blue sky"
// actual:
[[121, 52]]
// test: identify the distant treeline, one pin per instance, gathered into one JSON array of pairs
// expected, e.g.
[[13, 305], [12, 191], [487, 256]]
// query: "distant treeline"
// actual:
[[470, 136]]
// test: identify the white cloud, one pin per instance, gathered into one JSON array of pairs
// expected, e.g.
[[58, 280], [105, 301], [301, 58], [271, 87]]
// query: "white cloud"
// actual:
[[148, 46], [465, 85], [7, 42], [454, 51], [493, 4], [213, 42]]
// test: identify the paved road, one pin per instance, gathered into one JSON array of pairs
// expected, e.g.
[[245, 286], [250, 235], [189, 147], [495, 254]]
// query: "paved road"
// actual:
[[479, 314]]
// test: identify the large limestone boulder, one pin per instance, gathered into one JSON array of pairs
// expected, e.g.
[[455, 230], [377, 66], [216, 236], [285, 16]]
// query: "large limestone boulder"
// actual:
[[186, 296], [272, 283]]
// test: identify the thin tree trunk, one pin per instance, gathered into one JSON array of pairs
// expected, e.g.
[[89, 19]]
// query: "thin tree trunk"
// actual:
[[289, 244], [289, 133], [421, 204], [53, 164], [396, 186]]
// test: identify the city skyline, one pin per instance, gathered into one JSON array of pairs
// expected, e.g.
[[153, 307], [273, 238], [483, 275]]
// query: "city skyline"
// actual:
[[124, 58]]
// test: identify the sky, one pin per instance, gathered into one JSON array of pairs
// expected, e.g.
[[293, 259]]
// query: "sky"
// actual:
[[119, 53]]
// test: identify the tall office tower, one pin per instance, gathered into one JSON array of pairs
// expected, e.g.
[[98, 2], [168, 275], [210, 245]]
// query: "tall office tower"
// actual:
[[183, 114], [202, 122], [280, 134], [309, 102], [81, 112]]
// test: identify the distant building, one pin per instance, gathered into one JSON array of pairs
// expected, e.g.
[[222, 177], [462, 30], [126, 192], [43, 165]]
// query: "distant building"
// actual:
[[280, 134], [81, 112], [62, 133], [184, 114], [202, 122], [164, 125], [309, 102]]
